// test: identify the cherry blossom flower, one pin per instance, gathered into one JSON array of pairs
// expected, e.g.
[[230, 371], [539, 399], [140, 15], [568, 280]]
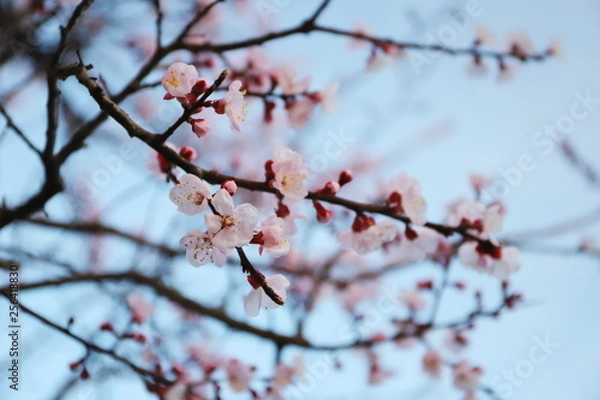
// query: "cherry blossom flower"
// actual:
[[520, 43], [378, 375], [200, 127], [557, 48], [299, 112], [483, 220], [484, 36], [588, 244], [426, 243], [355, 293], [329, 97], [190, 195], [179, 79], [140, 308], [235, 105], [176, 392], [501, 264], [238, 375], [479, 182], [233, 226], [200, 249], [466, 377], [363, 29], [288, 82], [433, 363], [284, 374], [413, 299], [288, 216], [455, 340], [404, 196], [271, 237], [257, 298], [367, 240], [290, 173]]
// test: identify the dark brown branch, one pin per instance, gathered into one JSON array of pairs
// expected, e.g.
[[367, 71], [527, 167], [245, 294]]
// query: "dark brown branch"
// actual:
[[310, 26], [98, 229], [93, 347], [18, 131]]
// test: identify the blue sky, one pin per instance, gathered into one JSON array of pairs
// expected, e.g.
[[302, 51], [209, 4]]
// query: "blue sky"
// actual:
[[490, 125]]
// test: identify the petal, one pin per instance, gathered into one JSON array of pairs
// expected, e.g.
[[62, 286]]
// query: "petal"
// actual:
[[219, 256], [223, 202], [277, 281], [252, 302], [468, 255], [213, 223]]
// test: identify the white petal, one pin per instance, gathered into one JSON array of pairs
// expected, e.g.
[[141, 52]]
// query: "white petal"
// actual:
[[223, 202], [213, 223], [252, 302], [277, 281]]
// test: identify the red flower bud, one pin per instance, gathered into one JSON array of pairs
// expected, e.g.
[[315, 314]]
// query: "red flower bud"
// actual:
[[230, 186], [362, 223], [324, 216], [188, 153], [346, 176]]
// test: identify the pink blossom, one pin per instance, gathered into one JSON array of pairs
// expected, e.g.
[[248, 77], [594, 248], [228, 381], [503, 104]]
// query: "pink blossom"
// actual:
[[403, 195], [413, 299], [233, 227], [179, 79], [588, 244], [299, 112], [284, 374], [190, 195], [176, 392], [200, 127], [557, 48], [520, 43], [456, 341], [257, 298], [426, 243], [289, 82], [377, 375], [290, 173], [363, 29], [230, 186], [433, 363], [498, 265], [483, 220], [272, 239], [235, 105], [484, 35], [466, 377], [140, 308], [355, 293], [370, 239], [479, 182], [238, 375], [329, 97], [200, 249]]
